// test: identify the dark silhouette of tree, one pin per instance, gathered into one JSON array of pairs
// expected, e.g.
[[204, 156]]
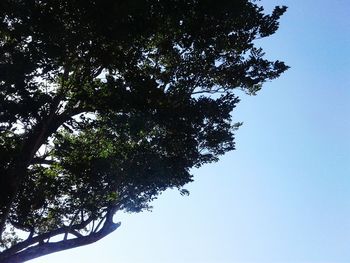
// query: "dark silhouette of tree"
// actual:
[[106, 103]]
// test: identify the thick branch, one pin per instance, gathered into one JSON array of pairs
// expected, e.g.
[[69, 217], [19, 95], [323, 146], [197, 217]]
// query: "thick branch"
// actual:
[[49, 248], [33, 240], [42, 161]]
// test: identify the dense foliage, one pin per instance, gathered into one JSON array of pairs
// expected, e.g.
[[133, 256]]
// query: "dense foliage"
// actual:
[[105, 104]]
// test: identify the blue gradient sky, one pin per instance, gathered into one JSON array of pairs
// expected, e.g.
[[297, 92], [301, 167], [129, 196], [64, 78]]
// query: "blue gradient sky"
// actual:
[[284, 194]]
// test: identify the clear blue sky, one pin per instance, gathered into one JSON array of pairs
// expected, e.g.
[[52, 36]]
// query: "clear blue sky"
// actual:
[[284, 195]]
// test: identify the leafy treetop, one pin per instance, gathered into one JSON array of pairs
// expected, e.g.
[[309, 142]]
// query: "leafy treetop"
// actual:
[[105, 104]]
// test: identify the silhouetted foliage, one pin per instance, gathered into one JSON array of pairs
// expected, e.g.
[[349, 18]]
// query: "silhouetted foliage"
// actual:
[[105, 104]]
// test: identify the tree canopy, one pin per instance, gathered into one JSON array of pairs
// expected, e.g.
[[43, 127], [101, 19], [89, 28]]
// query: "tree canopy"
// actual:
[[105, 104]]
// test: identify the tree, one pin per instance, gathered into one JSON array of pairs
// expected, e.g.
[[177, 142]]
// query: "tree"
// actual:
[[105, 104]]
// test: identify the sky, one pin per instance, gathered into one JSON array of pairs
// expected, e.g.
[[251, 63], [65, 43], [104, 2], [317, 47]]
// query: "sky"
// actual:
[[283, 196]]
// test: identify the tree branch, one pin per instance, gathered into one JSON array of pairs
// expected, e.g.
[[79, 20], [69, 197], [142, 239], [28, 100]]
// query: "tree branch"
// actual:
[[42, 161], [39, 238], [49, 248]]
